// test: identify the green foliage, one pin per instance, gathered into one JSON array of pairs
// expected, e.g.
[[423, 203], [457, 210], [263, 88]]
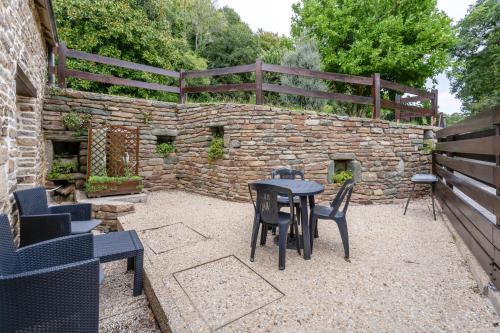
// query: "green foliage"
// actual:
[[454, 118], [60, 168], [305, 55], [101, 183], [429, 146], [216, 148], [146, 117], [165, 149], [122, 29], [341, 176], [406, 41], [475, 71], [77, 122]]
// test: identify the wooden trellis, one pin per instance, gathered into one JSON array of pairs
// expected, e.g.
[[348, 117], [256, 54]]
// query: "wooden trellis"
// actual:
[[113, 151]]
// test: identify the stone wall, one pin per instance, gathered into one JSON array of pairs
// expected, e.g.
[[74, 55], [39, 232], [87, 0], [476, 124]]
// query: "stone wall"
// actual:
[[22, 45], [161, 119], [257, 139]]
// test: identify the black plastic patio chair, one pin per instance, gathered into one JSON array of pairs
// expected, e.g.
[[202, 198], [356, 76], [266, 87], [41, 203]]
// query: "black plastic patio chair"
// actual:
[[39, 222], [52, 286], [267, 214], [286, 173], [335, 213]]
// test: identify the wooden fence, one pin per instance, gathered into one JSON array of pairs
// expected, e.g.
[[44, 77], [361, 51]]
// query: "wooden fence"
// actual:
[[467, 161], [404, 107]]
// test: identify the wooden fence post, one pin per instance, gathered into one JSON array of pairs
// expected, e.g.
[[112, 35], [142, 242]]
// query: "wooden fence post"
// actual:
[[376, 95], [258, 82], [397, 112], [61, 65], [434, 106], [182, 85], [497, 160]]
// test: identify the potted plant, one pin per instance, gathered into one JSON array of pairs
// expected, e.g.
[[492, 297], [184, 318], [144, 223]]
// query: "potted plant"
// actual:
[[100, 186]]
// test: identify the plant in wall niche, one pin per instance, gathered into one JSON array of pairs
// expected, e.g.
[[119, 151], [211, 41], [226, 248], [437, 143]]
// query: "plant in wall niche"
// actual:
[[429, 146], [216, 148], [77, 122], [62, 168], [165, 149], [342, 176], [146, 117]]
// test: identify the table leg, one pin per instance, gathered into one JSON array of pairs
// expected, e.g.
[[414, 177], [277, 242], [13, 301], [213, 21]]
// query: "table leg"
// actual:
[[311, 207], [306, 238], [130, 263], [138, 262]]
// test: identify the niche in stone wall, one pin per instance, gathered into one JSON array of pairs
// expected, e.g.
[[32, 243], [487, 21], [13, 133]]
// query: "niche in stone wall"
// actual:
[[165, 143], [342, 166]]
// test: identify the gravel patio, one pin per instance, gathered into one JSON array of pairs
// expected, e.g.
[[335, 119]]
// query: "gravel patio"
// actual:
[[405, 272]]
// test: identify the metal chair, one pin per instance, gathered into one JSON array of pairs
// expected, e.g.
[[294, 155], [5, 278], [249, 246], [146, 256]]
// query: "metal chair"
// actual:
[[267, 214], [423, 179], [51, 286], [39, 222], [336, 214]]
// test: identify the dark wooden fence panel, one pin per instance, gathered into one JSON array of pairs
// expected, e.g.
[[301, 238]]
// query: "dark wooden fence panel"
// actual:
[[402, 109], [478, 138]]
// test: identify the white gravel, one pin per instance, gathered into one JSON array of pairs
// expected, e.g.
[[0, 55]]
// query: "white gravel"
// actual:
[[405, 274]]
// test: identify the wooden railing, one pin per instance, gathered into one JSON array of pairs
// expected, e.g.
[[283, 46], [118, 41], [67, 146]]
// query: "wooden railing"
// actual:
[[467, 161], [403, 109]]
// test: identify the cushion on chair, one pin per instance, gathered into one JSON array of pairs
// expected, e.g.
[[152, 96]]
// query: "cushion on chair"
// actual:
[[425, 178], [81, 227]]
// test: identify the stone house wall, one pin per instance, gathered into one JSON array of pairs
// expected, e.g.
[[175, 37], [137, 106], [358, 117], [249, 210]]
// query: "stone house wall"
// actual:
[[22, 44], [257, 139]]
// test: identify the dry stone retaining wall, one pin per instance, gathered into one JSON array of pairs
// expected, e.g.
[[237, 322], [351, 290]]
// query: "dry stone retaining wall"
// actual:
[[257, 139]]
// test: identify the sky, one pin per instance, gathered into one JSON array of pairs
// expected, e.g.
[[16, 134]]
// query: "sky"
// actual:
[[278, 14]]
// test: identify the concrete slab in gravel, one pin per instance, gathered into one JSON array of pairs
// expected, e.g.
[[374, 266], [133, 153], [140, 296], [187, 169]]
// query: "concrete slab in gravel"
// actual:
[[225, 290], [405, 274], [170, 237]]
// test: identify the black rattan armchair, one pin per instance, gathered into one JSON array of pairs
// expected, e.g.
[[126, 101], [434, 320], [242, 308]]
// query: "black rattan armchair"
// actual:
[[336, 214], [39, 222], [268, 215], [51, 286]]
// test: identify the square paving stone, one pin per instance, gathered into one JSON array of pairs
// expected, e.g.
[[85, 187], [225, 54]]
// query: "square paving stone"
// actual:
[[225, 290], [171, 237]]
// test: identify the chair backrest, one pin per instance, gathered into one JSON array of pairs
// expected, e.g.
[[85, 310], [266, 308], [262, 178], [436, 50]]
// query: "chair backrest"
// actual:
[[8, 255], [267, 201], [285, 173], [32, 201], [343, 196]]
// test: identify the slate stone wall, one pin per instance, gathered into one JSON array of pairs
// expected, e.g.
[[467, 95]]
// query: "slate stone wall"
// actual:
[[21, 146], [381, 154]]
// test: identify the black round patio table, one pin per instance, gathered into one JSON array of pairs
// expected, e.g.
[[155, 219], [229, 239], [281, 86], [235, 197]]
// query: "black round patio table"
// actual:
[[304, 190]]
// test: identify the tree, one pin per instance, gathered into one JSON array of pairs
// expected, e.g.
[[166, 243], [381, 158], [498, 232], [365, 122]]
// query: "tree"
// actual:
[[406, 41], [235, 44], [305, 55], [475, 71], [121, 29]]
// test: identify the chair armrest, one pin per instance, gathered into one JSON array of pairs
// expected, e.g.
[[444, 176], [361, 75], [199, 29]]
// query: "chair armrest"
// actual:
[[79, 212], [38, 228], [55, 299], [59, 251]]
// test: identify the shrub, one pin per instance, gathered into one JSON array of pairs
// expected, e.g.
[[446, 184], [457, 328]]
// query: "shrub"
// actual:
[[77, 122], [216, 148], [165, 149], [342, 176]]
